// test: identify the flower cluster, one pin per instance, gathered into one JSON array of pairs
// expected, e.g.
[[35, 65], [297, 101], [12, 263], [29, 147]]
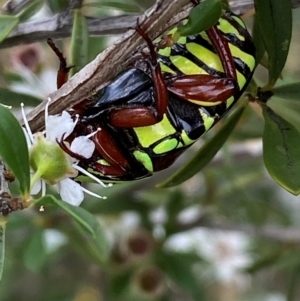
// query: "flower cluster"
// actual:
[[50, 164]]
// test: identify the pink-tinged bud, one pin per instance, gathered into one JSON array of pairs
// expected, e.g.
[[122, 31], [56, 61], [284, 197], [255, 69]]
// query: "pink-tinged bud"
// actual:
[[28, 57]]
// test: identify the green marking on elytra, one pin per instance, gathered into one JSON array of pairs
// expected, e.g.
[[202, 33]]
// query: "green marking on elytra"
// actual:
[[208, 121], [144, 158], [166, 146]]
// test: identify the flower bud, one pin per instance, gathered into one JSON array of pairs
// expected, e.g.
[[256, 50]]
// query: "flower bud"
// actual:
[[28, 57], [139, 244], [149, 283]]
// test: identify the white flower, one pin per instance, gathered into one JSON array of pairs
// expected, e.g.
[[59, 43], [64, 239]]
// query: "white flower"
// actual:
[[50, 164], [226, 251]]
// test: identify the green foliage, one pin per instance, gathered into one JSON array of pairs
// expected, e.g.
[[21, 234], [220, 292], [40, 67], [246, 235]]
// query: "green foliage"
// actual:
[[2, 245], [32, 8], [130, 7], [289, 91], [7, 24], [13, 148], [281, 145], [233, 193], [275, 24], [35, 252], [88, 223], [11, 98], [210, 12], [179, 267], [79, 42]]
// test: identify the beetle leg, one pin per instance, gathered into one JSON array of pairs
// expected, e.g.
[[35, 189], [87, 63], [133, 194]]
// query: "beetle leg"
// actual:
[[111, 153], [63, 71], [113, 171], [203, 87], [222, 48], [108, 149], [143, 116], [208, 88]]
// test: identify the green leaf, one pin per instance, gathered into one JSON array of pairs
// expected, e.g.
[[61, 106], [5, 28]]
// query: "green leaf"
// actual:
[[287, 109], [96, 45], [225, 5], [281, 151], [11, 77], [179, 267], [258, 41], [13, 148], [35, 252], [290, 91], [206, 152], [79, 42], [3, 221], [125, 7], [11, 98], [263, 262], [275, 23], [7, 24], [86, 220], [118, 285], [252, 88], [201, 17], [294, 275], [288, 259], [57, 5], [32, 8]]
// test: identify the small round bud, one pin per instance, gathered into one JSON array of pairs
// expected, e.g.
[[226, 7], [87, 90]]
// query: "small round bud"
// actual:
[[149, 283], [139, 244]]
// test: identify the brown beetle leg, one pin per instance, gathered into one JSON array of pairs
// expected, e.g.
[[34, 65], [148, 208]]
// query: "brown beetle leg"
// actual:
[[143, 116], [63, 71]]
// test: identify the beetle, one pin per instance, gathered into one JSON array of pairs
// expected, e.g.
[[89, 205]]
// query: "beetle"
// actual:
[[157, 108]]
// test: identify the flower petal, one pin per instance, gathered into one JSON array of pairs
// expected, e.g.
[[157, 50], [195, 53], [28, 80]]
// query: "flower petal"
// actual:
[[58, 125], [83, 146], [36, 187], [71, 192]]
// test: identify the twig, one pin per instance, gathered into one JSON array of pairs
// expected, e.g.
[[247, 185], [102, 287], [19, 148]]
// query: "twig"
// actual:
[[106, 65], [14, 7], [274, 233], [109, 63], [53, 27], [5, 196]]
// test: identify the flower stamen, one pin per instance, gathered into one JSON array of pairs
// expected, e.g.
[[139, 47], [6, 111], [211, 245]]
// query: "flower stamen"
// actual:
[[30, 135], [76, 120], [93, 194], [5, 106], [47, 114], [91, 176], [93, 133]]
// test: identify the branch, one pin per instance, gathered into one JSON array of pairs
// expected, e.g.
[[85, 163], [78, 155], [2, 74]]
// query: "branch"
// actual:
[[274, 233], [55, 28], [59, 26], [112, 61], [5, 196], [108, 63]]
